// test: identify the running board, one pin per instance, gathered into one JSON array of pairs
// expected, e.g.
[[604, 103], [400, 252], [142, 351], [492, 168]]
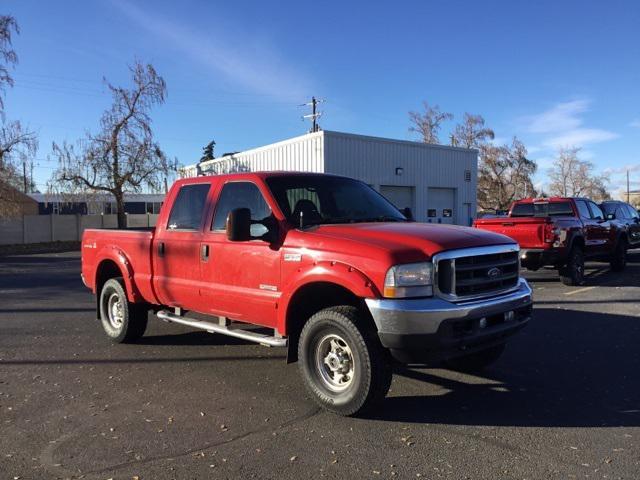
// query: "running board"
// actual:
[[269, 341]]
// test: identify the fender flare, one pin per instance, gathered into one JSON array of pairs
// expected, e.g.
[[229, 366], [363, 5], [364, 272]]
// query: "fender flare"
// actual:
[[573, 240], [338, 273], [116, 255]]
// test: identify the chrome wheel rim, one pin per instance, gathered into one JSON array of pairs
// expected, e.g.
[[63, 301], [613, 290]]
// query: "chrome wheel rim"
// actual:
[[115, 311], [334, 362]]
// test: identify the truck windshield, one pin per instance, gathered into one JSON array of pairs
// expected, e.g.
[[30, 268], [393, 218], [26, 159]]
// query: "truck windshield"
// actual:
[[555, 209], [318, 199]]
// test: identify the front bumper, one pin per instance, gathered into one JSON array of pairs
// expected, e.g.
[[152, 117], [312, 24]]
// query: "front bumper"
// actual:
[[431, 329]]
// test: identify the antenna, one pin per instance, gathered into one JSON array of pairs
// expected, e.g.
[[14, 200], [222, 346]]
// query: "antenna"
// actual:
[[314, 115]]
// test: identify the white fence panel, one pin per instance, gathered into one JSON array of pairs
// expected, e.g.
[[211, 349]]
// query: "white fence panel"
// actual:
[[37, 228], [10, 231], [65, 228], [62, 228]]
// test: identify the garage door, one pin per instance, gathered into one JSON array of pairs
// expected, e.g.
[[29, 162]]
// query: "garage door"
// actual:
[[441, 205], [401, 197]]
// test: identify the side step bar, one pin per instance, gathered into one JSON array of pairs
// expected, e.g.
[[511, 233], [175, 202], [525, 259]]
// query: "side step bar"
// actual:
[[269, 341]]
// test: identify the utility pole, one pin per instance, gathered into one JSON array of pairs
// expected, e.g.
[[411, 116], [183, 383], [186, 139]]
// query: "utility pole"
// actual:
[[314, 115], [24, 176], [627, 185]]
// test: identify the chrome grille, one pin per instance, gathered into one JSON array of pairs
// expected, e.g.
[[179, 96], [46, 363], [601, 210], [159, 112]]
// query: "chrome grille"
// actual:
[[478, 272]]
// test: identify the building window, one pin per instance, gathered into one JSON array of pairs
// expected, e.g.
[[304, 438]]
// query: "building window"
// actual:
[[153, 208], [467, 175]]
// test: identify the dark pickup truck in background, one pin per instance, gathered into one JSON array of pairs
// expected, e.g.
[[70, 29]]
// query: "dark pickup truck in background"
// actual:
[[625, 218], [561, 232]]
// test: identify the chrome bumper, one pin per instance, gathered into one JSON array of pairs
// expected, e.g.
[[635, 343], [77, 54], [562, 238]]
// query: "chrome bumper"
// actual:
[[424, 316]]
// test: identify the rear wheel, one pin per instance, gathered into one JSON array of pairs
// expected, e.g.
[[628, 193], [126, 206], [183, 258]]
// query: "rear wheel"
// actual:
[[573, 272], [619, 257], [345, 368], [476, 361], [122, 321]]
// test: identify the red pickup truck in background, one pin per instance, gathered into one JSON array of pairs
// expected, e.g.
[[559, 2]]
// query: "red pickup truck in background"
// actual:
[[561, 232], [326, 265]]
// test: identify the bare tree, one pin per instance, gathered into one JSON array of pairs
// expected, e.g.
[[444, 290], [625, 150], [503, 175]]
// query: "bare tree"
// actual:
[[16, 143], [573, 177], [8, 56], [428, 123], [504, 175], [471, 133], [123, 156]]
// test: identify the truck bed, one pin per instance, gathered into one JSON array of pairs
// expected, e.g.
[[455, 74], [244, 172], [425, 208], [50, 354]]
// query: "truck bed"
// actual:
[[527, 231], [98, 244]]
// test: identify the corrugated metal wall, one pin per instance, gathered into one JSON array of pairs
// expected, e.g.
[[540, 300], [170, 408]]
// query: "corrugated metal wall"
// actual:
[[304, 153], [375, 160]]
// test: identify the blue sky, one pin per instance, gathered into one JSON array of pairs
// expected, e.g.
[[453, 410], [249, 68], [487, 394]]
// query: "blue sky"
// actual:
[[551, 72]]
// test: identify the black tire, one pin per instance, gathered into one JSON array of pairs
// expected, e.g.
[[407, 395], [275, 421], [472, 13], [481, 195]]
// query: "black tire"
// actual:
[[129, 320], [572, 273], [477, 361], [618, 259], [365, 365]]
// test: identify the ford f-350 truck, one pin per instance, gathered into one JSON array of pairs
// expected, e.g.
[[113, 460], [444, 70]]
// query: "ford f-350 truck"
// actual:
[[326, 266]]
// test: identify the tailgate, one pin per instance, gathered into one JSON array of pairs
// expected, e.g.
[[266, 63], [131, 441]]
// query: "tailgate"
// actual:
[[527, 231]]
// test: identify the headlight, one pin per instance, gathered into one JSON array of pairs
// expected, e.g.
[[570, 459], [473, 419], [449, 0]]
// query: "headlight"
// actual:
[[409, 280]]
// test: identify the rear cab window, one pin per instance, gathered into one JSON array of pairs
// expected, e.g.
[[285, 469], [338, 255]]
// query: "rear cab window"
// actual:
[[542, 209], [188, 207]]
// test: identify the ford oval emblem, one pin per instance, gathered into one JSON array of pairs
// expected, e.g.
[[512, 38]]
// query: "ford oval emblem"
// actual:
[[493, 272]]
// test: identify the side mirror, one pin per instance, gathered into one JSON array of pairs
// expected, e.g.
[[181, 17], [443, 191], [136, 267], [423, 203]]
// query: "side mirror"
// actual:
[[406, 211], [611, 216], [239, 225]]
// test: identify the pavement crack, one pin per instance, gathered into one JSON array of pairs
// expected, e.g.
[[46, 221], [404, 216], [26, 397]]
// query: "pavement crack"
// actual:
[[48, 461]]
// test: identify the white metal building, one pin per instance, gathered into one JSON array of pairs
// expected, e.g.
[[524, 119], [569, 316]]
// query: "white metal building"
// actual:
[[437, 182]]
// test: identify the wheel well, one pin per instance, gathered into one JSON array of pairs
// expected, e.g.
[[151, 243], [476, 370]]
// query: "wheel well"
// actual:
[[107, 270], [579, 241], [312, 298]]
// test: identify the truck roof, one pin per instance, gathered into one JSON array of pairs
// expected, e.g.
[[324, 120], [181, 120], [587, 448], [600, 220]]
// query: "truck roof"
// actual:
[[252, 176], [548, 199]]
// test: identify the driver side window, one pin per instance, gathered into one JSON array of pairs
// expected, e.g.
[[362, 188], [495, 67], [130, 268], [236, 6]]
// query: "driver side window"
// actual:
[[596, 213], [241, 195]]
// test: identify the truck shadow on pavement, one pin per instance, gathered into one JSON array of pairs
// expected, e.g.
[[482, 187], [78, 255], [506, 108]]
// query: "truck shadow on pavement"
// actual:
[[596, 273], [568, 369]]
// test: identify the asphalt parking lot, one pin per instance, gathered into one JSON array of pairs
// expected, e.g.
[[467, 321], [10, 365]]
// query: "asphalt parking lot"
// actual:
[[563, 402]]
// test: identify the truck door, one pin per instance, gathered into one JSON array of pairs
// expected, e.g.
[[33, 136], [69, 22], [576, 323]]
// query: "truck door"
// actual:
[[633, 220], [603, 234], [241, 280], [176, 248]]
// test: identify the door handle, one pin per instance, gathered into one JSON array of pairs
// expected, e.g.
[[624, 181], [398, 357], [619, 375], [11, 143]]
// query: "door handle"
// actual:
[[204, 253], [161, 249]]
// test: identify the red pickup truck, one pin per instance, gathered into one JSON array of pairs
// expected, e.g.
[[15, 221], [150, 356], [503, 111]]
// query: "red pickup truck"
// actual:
[[561, 232], [326, 266]]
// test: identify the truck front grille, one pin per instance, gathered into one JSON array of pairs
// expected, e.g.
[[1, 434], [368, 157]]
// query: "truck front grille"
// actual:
[[476, 272]]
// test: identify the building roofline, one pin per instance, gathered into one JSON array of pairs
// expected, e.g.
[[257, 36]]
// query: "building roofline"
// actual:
[[403, 142]]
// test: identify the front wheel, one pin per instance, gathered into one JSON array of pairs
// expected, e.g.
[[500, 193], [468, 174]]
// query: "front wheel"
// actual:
[[122, 320], [345, 368], [572, 273]]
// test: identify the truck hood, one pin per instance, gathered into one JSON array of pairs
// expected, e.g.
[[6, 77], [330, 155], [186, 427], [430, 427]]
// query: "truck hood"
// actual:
[[428, 238]]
